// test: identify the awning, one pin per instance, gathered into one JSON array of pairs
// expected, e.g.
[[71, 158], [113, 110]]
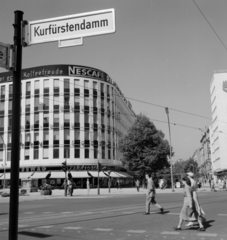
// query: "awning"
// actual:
[[38, 175], [7, 176], [25, 175]]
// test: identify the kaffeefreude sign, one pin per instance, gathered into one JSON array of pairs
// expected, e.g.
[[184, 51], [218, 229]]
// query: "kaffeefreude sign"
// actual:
[[58, 71]]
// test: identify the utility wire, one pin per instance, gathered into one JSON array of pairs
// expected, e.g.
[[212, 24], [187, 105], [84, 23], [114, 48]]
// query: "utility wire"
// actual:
[[210, 25]]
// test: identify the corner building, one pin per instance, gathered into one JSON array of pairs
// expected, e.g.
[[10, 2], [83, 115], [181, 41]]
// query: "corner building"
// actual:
[[218, 129], [68, 112]]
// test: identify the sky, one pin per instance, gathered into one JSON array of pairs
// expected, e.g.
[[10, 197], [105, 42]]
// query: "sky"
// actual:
[[163, 54]]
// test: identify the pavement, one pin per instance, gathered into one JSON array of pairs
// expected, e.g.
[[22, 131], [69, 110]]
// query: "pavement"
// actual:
[[104, 192]]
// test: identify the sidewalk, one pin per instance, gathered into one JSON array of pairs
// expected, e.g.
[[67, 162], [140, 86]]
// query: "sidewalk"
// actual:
[[104, 192]]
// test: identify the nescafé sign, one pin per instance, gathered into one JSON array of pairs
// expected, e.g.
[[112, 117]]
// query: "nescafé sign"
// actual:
[[58, 71]]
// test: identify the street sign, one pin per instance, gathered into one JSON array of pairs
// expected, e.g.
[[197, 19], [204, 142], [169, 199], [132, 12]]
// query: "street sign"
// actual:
[[71, 26], [4, 55]]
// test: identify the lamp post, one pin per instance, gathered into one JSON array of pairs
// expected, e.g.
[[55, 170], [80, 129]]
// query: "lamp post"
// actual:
[[4, 183], [170, 150]]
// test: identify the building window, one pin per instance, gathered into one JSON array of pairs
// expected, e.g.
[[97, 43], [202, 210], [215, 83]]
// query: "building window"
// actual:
[[56, 153], [56, 120], [3, 88], [9, 122], [76, 153], [27, 104], [56, 86], [10, 91], [66, 119], [26, 154], [46, 86], [56, 135], [36, 136], [1, 155], [95, 135], [45, 153], [76, 117], [109, 153], [77, 134], [66, 134], [66, 152], [103, 152], [36, 120], [46, 103], [45, 135], [86, 135], [86, 153], [27, 121], [66, 86], [28, 89], [36, 88], [45, 120], [2, 107], [95, 118], [36, 153], [2, 123], [8, 155], [36, 103], [76, 101], [95, 102], [95, 152], [56, 102]]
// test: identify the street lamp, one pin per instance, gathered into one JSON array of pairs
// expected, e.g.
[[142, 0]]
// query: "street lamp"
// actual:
[[4, 183], [170, 150]]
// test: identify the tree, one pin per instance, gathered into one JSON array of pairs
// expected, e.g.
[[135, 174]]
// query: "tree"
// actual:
[[144, 147]]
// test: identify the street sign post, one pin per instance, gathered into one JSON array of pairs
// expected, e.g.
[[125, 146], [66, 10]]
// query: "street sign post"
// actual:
[[71, 26], [5, 55]]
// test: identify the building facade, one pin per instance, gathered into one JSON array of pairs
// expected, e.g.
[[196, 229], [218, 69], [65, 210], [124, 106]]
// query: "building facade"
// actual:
[[205, 165], [218, 129], [68, 112]]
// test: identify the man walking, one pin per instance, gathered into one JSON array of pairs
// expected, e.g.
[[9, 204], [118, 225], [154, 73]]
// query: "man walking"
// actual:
[[151, 195]]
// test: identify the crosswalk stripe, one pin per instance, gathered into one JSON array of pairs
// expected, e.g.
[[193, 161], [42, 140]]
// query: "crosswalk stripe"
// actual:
[[28, 212], [172, 213], [103, 229], [128, 212], [45, 227], [170, 233], [136, 231], [66, 212], [207, 234], [46, 212], [73, 228], [22, 226]]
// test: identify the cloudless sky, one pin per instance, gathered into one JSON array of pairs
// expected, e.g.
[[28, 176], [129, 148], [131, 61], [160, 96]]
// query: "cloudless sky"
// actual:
[[163, 52]]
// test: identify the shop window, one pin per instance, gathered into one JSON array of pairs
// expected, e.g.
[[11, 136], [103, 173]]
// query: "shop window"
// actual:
[[10, 91], [56, 102], [66, 86], [3, 88], [2, 108], [56, 120], [9, 155], [56, 86], [76, 134], [36, 103], [28, 89], [109, 153], [27, 104]]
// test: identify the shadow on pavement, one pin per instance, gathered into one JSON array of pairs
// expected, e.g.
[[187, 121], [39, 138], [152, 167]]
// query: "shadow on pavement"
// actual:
[[34, 234]]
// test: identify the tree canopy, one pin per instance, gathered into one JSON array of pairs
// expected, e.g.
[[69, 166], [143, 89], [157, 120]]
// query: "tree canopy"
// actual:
[[144, 147], [189, 165]]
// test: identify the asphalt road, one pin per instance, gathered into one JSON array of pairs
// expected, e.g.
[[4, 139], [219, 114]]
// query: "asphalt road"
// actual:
[[115, 217]]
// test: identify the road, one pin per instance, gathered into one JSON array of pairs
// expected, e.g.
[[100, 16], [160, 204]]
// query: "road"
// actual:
[[113, 217]]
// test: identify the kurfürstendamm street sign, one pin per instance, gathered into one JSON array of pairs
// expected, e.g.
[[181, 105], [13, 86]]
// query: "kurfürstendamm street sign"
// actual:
[[71, 26]]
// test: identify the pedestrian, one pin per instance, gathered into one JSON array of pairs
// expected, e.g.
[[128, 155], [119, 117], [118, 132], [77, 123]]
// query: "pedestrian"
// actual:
[[224, 184], [138, 185], [212, 184], [65, 186], [188, 203], [88, 186], [150, 198], [118, 183], [70, 187]]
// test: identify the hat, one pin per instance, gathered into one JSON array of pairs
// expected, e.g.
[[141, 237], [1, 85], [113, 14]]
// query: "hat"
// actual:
[[190, 174]]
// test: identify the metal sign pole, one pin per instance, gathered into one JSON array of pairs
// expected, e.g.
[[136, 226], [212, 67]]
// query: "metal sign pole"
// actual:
[[15, 147]]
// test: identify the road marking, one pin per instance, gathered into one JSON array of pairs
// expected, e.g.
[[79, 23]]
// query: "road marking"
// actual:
[[208, 234], [128, 212], [74, 228], [46, 212], [22, 226], [170, 233], [224, 214], [173, 213], [136, 231], [85, 213], [45, 227], [103, 229], [66, 212], [28, 212]]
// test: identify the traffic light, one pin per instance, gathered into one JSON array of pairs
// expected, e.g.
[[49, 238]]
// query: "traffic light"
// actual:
[[64, 166]]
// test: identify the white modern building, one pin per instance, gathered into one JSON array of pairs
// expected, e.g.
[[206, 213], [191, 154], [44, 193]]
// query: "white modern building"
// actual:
[[218, 129], [68, 112]]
